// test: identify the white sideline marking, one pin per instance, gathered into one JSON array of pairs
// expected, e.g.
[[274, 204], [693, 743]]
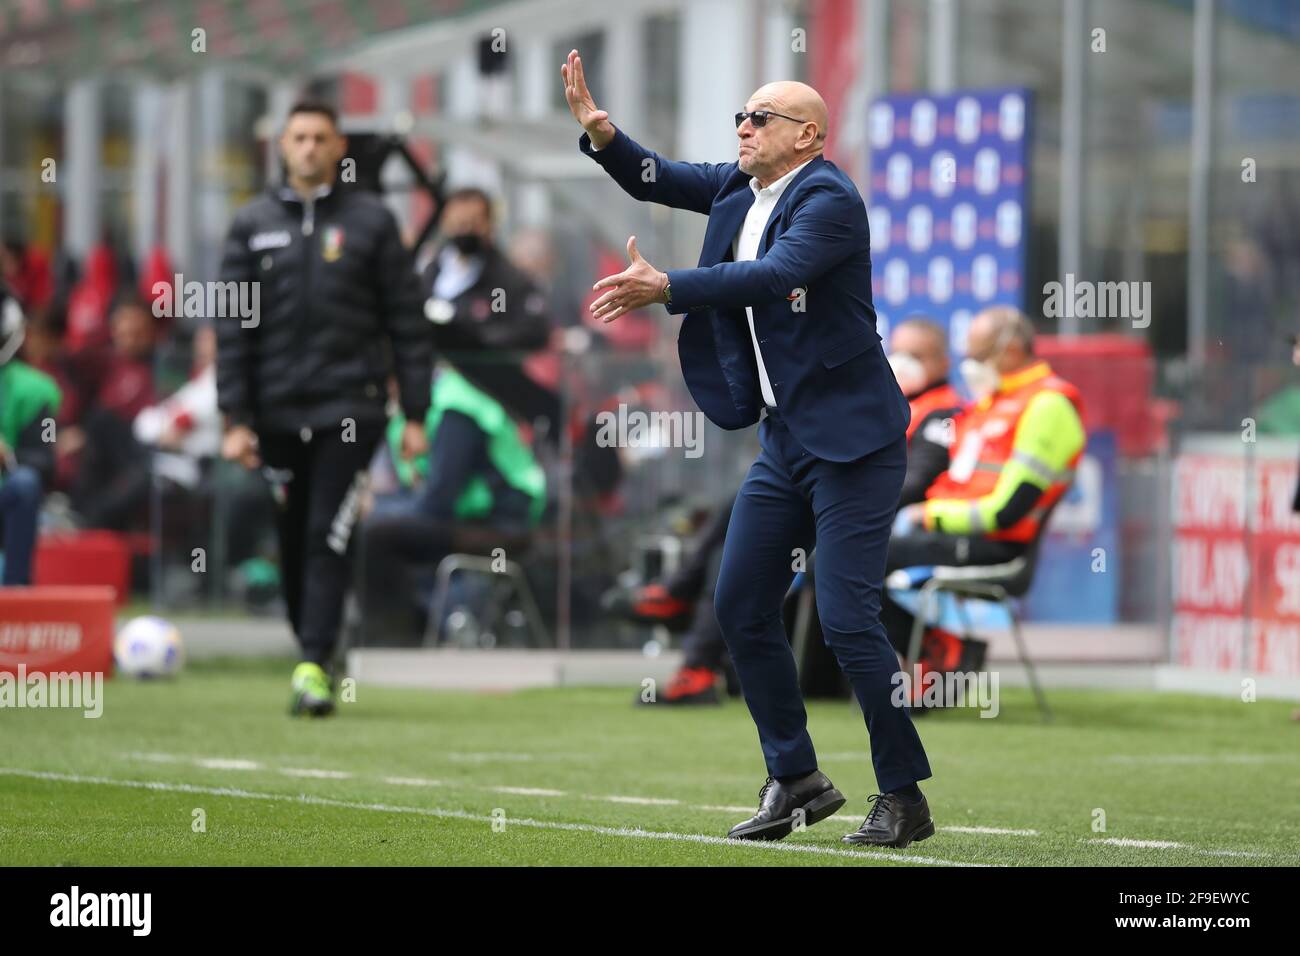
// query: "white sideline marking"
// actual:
[[242, 764], [1169, 845], [895, 856], [222, 763], [153, 757], [1192, 759], [1144, 844], [315, 773], [994, 831], [644, 801], [489, 757]]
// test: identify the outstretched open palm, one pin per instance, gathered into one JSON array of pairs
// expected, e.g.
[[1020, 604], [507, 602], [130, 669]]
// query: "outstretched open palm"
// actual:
[[582, 105]]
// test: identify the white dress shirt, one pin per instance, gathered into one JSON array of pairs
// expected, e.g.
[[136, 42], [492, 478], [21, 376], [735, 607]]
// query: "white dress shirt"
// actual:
[[456, 273], [746, 249]]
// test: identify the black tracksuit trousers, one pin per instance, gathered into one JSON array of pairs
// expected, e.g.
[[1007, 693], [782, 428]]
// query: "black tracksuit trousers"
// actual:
[[317, 479]]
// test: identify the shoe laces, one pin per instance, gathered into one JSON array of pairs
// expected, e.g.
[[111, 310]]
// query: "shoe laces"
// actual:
[[878, 803], [766, 787]]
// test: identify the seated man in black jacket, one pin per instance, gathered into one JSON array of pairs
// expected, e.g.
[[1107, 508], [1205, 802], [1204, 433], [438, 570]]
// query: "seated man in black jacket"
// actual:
[[486, 313]]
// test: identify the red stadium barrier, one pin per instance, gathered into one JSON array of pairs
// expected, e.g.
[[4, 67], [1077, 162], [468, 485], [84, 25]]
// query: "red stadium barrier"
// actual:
[[54, 629], [84, 558], [1116, 374]]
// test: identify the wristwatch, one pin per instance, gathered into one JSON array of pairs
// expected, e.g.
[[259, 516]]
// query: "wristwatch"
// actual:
[[668, 293]]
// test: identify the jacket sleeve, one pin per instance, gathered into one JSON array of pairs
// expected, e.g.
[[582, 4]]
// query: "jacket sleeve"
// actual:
[[824, 231], [32, 450], [645, 175], [1048, 435], [927, 456], [401, 309], [236, 343]]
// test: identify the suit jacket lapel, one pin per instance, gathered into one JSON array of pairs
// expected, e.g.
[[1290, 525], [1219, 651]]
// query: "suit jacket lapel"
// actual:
[[724, 222], [782, 199]]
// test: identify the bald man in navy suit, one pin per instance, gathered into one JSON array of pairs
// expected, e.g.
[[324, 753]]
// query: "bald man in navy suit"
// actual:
[[778, 323]]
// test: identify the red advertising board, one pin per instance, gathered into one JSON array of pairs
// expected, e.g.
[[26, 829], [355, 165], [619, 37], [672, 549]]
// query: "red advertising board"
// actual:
[[57, 629], [1236, 560]]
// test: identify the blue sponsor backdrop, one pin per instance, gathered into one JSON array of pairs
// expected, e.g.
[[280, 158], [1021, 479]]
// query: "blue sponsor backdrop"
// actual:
[[949, 205]]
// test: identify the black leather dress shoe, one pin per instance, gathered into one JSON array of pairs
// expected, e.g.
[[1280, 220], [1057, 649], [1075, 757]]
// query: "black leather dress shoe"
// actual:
[[781, 806], [893, 821]]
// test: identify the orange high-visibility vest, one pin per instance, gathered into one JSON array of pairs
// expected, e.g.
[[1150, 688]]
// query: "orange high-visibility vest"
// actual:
[[984, 433], [940, 396]]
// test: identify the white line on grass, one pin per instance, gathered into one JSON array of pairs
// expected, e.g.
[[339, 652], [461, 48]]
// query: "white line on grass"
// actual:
[[1166, 845], [1144, 844], [316, 773], [222, 763], [643, 801], [156, 785], [235, 763], [412, 781], [1196, 759]]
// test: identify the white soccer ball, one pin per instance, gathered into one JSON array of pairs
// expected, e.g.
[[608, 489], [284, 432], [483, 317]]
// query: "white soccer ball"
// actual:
[[148, 647]]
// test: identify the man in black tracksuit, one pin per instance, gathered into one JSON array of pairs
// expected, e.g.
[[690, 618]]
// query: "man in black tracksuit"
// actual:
[[302, 383]]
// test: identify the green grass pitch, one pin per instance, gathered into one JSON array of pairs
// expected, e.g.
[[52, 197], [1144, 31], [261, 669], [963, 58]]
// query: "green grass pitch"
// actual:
[[210, 770]]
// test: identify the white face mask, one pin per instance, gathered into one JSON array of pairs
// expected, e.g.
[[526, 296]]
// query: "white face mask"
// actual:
[[982, 378], [908, 371]]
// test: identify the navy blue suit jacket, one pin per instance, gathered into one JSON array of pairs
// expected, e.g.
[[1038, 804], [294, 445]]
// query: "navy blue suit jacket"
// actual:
[[809, 288]]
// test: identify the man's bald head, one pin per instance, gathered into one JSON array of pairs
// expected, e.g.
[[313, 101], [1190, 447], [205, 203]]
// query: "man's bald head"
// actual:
[[1003, 335], [781, 145]]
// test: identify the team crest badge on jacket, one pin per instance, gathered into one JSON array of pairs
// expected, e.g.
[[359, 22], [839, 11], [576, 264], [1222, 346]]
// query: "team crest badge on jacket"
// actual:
[[332, 244]]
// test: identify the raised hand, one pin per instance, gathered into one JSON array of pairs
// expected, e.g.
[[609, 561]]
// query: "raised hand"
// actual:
[[581, 105], [638, 285]]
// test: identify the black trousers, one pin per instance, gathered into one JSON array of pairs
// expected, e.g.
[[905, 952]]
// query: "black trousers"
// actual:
[[395, 544], [921, 548], [317, 479]]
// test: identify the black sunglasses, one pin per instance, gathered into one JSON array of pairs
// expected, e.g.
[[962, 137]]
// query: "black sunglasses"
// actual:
[[760, 117]]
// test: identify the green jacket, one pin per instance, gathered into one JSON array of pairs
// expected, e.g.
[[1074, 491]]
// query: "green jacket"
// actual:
[[25, 394], [506, 450]]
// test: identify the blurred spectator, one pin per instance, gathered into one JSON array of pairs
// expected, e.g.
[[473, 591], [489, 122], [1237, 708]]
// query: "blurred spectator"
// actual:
[[116, 384], [26, 271], [28, 398], [1017, 445], [118, 378], [157, 269], [531, 251], [918, 354], [186, 426], [486, 312], [478, 489], [89, 301], [1280, 413]]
